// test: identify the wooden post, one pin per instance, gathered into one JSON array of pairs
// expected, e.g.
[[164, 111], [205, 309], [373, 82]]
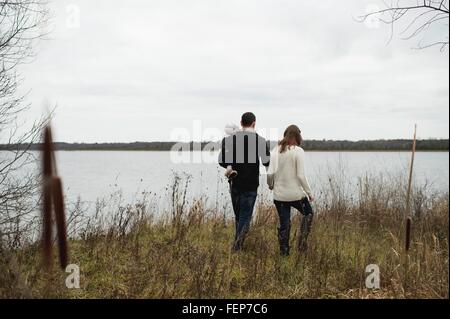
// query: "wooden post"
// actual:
[[407, 214], [408, 194]]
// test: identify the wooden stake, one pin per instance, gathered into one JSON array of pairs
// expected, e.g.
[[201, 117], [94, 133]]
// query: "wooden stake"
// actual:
[[408, 194]]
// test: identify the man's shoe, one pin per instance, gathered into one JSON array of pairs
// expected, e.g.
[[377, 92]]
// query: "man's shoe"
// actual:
[[236, 248], [284, 251]]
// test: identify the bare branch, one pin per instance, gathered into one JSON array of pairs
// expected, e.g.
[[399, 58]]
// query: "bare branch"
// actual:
[[21, 25], [421, 18]]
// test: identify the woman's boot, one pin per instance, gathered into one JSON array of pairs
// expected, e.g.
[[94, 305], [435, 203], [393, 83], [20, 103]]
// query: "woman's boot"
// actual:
[[305, 229], [283, 238]]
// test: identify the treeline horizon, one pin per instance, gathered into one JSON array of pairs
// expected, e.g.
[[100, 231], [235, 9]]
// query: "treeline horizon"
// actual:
[[308, 145]]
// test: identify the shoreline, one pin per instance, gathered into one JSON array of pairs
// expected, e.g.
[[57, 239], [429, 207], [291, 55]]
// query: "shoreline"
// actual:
[[306, 150], [394, 145]]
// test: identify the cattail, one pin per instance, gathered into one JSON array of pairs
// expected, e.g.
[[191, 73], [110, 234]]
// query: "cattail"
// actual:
[[58, 202], [53, 200], [47, 198]]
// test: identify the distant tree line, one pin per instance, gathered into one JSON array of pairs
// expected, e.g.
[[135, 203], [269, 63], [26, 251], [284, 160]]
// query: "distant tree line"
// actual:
[[309, 145], [377, 145]]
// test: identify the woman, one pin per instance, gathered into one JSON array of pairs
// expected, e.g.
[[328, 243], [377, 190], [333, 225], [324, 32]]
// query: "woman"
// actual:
[[286, 177]]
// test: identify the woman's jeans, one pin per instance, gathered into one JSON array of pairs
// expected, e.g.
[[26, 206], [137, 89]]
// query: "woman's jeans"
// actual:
[[243, 205], [284, 212]]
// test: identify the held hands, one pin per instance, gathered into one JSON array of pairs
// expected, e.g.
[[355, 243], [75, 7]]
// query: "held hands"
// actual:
[[270, 181]]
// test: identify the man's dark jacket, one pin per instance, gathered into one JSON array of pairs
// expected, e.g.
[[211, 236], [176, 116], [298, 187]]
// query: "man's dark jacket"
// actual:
[[244, 151]]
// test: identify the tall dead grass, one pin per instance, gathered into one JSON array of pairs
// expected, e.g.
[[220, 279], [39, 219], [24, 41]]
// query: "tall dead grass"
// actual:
[[129, 251]]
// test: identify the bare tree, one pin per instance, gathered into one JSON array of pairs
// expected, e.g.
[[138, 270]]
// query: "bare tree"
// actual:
[[418, 17], [21, 25]]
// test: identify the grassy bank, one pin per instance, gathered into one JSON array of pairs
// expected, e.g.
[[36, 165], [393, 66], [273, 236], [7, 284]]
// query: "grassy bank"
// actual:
[[128, 253]]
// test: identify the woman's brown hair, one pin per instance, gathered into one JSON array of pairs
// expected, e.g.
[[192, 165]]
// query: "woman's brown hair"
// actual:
[[292, 136]]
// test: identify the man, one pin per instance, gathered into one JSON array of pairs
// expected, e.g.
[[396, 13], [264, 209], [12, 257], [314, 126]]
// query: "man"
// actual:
[[243, 151]]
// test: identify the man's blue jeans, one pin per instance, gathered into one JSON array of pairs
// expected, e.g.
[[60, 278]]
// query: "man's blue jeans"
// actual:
[[243, 205]]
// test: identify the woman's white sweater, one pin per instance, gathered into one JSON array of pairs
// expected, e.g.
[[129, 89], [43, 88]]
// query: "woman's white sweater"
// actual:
[[286, 175]]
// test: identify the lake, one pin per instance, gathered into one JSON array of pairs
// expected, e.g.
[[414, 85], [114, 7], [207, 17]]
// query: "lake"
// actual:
[[98, 174], [130, 175]]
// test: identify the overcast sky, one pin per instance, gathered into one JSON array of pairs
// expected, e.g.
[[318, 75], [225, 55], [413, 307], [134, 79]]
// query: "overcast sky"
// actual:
[[138, 70]]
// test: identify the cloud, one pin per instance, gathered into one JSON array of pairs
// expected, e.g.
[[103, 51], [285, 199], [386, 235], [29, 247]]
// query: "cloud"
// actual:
[[137, 71]]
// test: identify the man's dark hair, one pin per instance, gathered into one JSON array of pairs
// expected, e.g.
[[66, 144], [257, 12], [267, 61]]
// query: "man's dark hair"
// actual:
[[248, 119]]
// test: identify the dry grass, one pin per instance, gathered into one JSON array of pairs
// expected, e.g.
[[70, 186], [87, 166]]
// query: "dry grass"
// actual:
[[127, 253]]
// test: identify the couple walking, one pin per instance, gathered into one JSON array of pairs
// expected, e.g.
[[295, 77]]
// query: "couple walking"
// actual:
[[241, 154]]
